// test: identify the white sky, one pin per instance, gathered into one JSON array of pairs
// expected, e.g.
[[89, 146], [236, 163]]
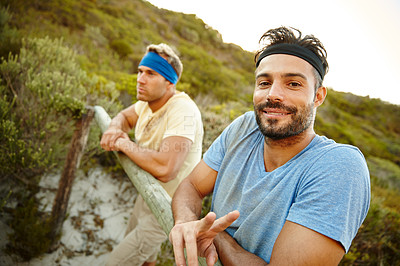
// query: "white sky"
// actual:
[[362, 37]]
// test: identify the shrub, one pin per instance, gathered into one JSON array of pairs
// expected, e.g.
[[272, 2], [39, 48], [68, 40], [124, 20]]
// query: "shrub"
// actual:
[[121, 47], [387, 172], [44, 89], [10, 40], [378, 240], [44, 92], [32, 227]]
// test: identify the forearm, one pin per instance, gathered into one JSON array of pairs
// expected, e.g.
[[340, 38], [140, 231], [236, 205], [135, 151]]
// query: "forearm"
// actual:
[[231, 253], [189, 232], [125, 120], [153, 162], [186, 203], [120, 121], [188, 198]]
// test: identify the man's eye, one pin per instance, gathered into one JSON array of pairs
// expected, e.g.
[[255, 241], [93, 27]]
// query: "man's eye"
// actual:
[[294, 84], [263, 84]]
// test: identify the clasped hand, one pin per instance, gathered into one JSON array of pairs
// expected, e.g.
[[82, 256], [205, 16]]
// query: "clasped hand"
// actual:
[[198, 236], [110, 141]]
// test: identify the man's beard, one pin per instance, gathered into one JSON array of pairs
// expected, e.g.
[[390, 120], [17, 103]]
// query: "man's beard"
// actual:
[[301, 120]]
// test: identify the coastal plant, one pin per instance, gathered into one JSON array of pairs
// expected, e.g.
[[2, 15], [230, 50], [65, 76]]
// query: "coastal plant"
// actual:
[[44, 92]]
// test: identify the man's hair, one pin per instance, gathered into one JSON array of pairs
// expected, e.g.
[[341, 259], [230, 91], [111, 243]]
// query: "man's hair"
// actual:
[[286, 35], [164, 50]]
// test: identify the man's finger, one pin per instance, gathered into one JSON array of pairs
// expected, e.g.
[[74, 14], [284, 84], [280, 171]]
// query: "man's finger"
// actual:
[[178, 245], [191, 247], [206, 223], [222, 223], [104, 142]]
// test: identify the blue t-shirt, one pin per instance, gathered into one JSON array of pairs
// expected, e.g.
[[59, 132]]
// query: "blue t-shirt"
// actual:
[[325, 187]]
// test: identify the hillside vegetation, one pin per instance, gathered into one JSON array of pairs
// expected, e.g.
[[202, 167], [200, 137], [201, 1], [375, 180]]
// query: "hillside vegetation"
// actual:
[[60, 55]]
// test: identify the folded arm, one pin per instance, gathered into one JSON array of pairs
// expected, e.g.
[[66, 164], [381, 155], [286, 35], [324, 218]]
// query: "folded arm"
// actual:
[[295, 245], [119, 127], [163, 164], [231, 253]]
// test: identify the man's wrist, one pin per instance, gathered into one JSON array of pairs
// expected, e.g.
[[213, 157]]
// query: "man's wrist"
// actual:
[[186, 219], [114, 127], [179, 222], [124, 145]]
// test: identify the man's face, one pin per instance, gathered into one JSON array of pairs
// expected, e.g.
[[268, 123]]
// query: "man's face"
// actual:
[[151, 86], [284, 96]]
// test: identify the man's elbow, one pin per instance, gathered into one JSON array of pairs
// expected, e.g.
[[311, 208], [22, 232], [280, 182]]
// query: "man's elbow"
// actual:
[[165, 173]]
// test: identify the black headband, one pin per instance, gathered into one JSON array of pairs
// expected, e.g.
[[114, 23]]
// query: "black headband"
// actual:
[[296, 50]]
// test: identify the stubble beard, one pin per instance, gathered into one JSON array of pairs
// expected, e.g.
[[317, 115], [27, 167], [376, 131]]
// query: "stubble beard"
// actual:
[[301, 120]]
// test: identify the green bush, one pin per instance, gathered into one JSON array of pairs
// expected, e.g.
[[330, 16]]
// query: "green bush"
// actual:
[[121, 47], [44, 92], [10, 40], [213, 124], [32, 226], [378, 240], [387, 172]]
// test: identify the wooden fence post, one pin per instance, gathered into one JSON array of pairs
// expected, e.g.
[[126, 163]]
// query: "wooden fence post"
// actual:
[[147, 186], [74, 156], [152, 192]]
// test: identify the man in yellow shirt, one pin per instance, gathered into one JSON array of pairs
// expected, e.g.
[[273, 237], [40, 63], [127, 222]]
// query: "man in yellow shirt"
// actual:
[[168, 139]]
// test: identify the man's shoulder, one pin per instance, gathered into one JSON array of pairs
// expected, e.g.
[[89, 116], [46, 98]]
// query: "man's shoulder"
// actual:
[[242, 130], [244, 123], [181, 97], [326, 144], [182, 101], [327, 150]]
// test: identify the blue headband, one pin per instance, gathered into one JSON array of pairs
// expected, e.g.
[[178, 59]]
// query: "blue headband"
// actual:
[[296, 50], [160, 65]]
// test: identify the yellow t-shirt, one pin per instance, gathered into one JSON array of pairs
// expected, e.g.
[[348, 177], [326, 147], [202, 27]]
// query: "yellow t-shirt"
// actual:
[[179, 116]]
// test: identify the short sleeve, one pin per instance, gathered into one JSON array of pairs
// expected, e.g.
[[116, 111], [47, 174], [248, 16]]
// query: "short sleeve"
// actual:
[[216, 153], [334, 195]]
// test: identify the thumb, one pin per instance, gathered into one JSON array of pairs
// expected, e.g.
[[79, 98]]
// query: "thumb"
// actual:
[[225, 221]]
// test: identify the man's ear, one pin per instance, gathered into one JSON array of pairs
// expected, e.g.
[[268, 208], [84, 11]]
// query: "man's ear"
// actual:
[[320, 96], [170, 85]]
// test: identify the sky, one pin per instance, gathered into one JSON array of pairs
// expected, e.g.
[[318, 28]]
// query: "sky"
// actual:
[[362, 37]]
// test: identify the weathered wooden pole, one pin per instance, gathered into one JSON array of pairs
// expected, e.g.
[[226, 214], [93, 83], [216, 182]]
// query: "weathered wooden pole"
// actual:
[[147, 186], [74, 156], [152, 192]]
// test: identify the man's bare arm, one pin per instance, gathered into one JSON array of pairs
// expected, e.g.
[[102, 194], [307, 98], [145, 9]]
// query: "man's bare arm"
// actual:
[[163, 164], [196, 235], [187, 200], [298, 245], [119, 127], [295, 245], [231, 253]]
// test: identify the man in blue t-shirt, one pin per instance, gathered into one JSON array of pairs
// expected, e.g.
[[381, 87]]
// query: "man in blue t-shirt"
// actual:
[[281, 194]]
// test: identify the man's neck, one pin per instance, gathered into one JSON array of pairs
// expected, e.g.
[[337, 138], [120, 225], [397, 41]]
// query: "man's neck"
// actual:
[[157, 104], [279, 152]]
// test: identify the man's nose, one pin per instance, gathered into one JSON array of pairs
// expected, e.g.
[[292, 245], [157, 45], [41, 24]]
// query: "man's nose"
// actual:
[[275, 93], [141, 78]]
